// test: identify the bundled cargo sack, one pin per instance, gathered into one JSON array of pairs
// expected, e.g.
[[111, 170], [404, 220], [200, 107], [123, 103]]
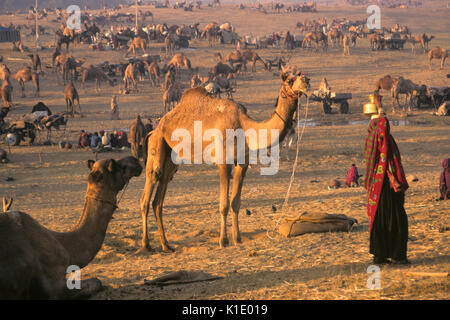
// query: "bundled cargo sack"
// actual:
[[316, 222]]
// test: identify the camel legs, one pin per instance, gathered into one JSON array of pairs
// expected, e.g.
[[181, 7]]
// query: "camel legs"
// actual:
[[153, 173], [79, 107], [22, 85], [224, 175], [168, 172], [238, 182]]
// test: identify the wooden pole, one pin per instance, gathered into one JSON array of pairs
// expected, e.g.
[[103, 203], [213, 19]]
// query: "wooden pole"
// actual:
[[37, 27], [136, 15]]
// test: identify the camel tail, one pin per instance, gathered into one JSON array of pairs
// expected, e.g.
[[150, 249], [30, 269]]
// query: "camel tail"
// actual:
[[145, 146]]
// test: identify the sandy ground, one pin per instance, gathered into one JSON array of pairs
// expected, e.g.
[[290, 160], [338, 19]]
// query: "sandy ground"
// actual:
[[50, 183]]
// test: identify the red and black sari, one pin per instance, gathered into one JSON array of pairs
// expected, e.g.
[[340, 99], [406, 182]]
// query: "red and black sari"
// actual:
[[385, 183]]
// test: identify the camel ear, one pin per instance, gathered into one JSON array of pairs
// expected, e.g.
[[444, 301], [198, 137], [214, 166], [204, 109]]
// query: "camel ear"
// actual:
[[90, 164], [112, 165]]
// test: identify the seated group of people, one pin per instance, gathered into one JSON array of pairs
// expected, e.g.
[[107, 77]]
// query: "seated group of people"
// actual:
[[103, 141]]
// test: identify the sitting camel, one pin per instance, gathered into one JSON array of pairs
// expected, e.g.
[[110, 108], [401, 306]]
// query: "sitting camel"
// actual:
[[220, 115], [25, 75], [438, 53], [70, 95], [34, 260]]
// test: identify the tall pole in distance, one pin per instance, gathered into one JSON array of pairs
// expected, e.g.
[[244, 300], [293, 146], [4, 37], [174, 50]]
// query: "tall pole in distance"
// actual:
[[37, 27], [136, 15]]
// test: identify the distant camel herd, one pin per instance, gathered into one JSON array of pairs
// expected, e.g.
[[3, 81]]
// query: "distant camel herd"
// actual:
[[38, 257]]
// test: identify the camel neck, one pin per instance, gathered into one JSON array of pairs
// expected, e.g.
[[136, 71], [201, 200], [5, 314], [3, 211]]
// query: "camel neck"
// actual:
[[86, 238], [280, 120]]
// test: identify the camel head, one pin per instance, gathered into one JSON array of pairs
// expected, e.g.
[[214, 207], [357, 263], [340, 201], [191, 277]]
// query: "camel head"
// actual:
[[111, 175], [295, 84]]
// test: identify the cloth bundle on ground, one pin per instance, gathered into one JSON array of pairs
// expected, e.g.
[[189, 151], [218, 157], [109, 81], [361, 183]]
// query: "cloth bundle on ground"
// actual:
[[315, 222]]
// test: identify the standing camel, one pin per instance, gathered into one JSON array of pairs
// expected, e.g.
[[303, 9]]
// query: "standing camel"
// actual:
[[137, 43], [70, 95], [6, 91], [403, 86], [25, 75], [171, 96], [169, 43], [154, 73], [385, 83], [220, 115], [180, 61], [97, 74], [130, 77], [136, 137], [318, 38], [34, 260], [422, 40], [437, 53], [36, 62]]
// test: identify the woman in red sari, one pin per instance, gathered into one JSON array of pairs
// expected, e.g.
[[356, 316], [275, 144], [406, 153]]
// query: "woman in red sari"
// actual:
[[386, 184]]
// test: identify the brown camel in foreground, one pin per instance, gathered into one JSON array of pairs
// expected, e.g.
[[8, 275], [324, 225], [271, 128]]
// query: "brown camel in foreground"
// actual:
[[437, 53], [220, 115], [25, 75], [71, 95], [34, 260], [136, 137]]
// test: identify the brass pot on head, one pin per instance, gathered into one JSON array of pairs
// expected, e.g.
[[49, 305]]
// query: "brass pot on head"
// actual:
[[370, 108]]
